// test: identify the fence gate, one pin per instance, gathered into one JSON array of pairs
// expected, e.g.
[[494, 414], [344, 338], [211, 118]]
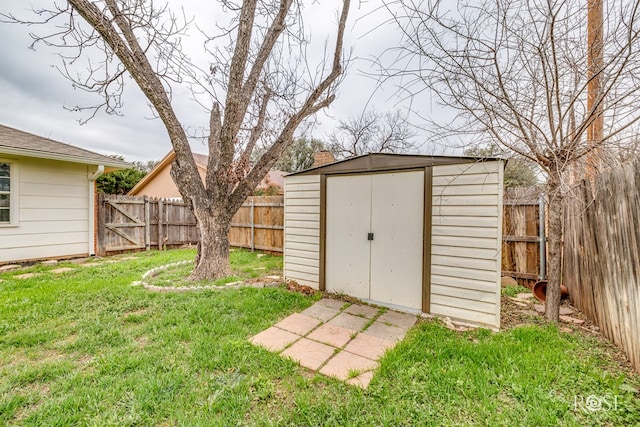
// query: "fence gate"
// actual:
[[523, 240], [122, 224]]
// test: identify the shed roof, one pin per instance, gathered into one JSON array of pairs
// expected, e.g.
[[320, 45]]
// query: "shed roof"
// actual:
[[378, 162], [17, 142]]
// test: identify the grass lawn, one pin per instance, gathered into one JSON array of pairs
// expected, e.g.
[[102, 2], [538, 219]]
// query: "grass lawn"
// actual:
[[244, 265], [85, 348]]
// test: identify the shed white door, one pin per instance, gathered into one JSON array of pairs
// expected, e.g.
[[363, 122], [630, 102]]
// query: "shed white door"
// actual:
[[348, 220], [387, 269]]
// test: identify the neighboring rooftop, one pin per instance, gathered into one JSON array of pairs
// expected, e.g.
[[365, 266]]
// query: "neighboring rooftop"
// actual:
[[17, 142]]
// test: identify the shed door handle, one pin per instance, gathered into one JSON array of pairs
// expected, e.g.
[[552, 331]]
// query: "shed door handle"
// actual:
[[370, 236]]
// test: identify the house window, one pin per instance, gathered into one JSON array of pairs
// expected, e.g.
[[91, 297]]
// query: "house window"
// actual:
[[5, 193]]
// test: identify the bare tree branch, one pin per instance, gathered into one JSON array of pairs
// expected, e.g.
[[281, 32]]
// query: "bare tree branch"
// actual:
[[254, 87], [372, 132]]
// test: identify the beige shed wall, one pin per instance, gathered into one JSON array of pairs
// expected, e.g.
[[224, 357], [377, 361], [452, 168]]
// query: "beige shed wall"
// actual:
[[302, 229], [466, 242], [53, 211]]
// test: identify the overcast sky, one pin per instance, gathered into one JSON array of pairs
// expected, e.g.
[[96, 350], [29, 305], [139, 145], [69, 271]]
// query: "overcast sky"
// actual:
[[34, 94]]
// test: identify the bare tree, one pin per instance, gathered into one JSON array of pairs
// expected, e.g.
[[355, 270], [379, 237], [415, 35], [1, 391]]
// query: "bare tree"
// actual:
[[515, 73], [372, 132], [298, 156], [517, 173], [259, 86]]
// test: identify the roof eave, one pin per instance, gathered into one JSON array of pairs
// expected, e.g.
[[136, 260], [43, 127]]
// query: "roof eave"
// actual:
[[376, 162], [166, 160], [113, 164]]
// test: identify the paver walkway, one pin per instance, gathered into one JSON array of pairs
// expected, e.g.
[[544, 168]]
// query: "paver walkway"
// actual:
[[337, 338]]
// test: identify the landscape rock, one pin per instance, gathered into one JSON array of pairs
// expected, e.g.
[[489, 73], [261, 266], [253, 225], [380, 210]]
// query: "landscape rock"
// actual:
[[50, 262], [569, 319], [539, 308], [528, 312], [524, 296], [518, 301], [508, 281], [565, 311], [521, 304], [9, 267]]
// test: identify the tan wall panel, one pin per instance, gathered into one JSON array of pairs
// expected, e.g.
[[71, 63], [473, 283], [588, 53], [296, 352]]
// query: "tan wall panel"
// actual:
[[302, 230]]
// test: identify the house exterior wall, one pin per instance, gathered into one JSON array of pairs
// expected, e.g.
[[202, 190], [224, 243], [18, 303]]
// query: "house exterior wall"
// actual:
[[52, 209], [302, 229], [466, 241], [162, 186], [159, 183]]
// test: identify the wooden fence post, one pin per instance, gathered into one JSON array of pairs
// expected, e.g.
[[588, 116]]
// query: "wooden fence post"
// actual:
[[147, 224], [160, 206], [253, 227], [542, 236], [100, 247]]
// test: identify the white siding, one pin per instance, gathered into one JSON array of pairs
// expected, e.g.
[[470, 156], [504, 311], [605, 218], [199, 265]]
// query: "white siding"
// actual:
[[53, 212], [302, 229], [466, 242]]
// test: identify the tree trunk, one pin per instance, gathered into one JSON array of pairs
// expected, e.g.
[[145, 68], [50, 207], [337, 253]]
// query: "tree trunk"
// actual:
[[212, 260], [555, 232]]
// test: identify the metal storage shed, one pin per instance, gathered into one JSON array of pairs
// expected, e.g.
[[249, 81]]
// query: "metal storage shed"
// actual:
[[416, 233]]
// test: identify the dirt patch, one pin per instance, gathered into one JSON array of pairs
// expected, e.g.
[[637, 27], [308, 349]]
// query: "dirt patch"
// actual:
[[49, 356], [38, 393], [136, 312], [516, 311], [142, 341], [66, 341], [84, 360], [292, 285]]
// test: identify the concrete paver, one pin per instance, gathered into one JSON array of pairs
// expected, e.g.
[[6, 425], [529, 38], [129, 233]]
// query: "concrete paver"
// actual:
[[362, 310], [320, 312], [298, 323], [349, 321], [274, 339], [61, 270], [368, 346], [332, 338], [308, 353], [401, 320], [332, 303], [386, 332], [345, 364], [332, 335], [361, 380], [90, 264]]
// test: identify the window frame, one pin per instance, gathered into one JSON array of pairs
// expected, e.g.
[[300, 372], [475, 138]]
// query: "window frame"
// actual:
[[13, 193]]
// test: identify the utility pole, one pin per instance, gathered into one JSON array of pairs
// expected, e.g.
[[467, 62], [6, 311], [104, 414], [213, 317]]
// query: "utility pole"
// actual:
[[595, 130]]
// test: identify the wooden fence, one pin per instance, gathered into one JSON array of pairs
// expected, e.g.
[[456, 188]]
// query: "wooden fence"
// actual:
[[259, 224], [602, 255], [523, 238], [132, 223]]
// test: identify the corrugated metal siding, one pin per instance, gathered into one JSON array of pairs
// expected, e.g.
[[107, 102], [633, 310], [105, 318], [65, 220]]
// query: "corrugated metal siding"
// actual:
[[466, 242], [302, 229]]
